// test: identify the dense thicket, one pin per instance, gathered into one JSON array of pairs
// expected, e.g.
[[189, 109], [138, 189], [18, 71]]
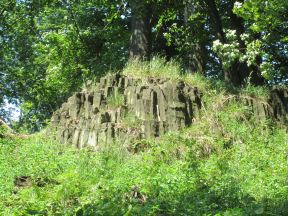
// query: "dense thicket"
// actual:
[[49, 48]]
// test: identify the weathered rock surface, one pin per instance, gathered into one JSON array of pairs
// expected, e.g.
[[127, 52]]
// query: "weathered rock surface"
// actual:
[[258, 108], [274, 108], [124, 108], [121, 108], [278, 101]]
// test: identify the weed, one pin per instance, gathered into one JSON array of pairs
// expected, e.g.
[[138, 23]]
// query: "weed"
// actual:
[[157, 67], [192, 172], [116, 99], [130, 120], [255, 91]]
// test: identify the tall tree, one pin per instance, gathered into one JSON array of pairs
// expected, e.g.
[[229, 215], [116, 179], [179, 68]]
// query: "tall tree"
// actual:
[[195, 53], [50, 47], [266, 32], [215, 20], [239, 71], [140, 29]]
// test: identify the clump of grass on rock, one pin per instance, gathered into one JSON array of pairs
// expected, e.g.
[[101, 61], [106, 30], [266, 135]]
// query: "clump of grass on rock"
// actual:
[[157, 67]]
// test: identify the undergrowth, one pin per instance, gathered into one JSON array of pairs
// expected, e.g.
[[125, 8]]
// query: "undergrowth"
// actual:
[[223, 164], [157, 67], [227, 163]]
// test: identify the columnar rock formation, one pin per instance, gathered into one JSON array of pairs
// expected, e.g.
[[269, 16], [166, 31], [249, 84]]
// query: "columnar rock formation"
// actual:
[[123, 108]]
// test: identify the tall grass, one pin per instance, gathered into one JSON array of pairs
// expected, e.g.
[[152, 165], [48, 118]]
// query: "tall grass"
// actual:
[[226, 163], [157, 67], [116, 99], [223, 164]]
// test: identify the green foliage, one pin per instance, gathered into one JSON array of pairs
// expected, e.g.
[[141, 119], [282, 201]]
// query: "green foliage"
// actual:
[[159, 67], [3, 131], [255, 91], [226, 163], [116, 99], [197, 80], [228, 52], [48, 49], [156, 67], [267, 19]]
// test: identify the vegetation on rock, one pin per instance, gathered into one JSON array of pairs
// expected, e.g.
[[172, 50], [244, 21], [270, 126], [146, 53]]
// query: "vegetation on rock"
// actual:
[[209, 76], [227, 163]]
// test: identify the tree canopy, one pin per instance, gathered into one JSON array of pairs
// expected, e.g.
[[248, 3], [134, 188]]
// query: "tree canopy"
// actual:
[[49, 48]]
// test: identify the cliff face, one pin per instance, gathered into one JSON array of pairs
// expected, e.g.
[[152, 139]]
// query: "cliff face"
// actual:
[[123, 108]]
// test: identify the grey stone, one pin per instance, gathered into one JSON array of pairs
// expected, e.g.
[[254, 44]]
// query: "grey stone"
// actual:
[[160, 105]]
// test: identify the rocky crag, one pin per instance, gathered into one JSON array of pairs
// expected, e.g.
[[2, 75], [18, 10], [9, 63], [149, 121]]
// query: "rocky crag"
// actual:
[[121, 108]]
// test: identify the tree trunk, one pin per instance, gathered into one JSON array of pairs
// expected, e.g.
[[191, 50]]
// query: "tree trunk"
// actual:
[[215, 20], [218, 29], [244, 71], [195, 57], [139, 40], [239, 71], [219, 33]]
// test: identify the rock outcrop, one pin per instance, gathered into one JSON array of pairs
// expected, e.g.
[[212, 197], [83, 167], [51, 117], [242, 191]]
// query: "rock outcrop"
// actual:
[[258, 108], [123, 108], [274, 108], [278, 101]]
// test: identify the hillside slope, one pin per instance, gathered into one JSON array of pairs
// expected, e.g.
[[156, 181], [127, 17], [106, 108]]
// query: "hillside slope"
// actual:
[[228, 162]]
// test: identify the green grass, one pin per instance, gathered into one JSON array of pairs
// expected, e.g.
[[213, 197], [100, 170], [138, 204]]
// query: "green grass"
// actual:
[[130, 120], [115, 100], [221, 165], [157, 67], [226, 163]]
